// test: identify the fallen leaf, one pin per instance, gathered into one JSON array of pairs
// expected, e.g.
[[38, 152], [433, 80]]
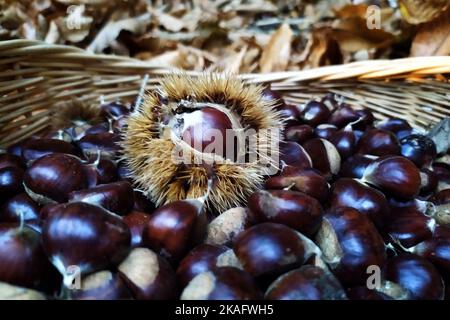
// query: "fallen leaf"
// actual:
[[275, 56], [433, 38], [421, 11]]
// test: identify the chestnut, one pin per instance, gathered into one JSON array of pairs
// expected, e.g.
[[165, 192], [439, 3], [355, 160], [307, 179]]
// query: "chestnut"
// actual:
[[117, 197], [345, 142], [291, 208], [343, 115], [315, 113], [308, 181], [350, 243], [366, 119], [378, 142], [298, 133], [268, 250], [175, 228], [347, 192], [103, 127], [416, 275], [10, 182], [306, 283], [84, 235], [136, 221], [440, 198], [113, 110], [325, 131], [224, 229], [363, 293], [52, 177], [270, 95], [10, 160], [22, 259], [324, 156], [37, 148], [331, 101], [101, 171], [148, 276], [60, 134], [225, 283], [106, 143], [293, 154], [102, 285], [203, 258], [401, 128], [428, 181], [142, 203], [395, 175], [20, 207], [419, 149], [289, 112], [355, 166]]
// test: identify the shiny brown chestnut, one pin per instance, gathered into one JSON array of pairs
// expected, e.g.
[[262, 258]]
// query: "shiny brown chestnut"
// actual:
[[343, 115], [117, 197], [225, 283], [113, 110], [293, 154], [106, 143], [148, 275], [366, 119], [355, 166], [101, 171], [324, 155], [175, 228], [378, 142], [86, 236], [325, 131], [22, 259], [395, 176], [291, 208], [101, 285], [142, 203], [428, 182], [308, 181], [203, 258], [351, 243], [298, 133], [347, 192], [10, 182], [20, 207], [10, 160], [419, 149], [271, 95], [224, 229], [331, 101], [37, 148], [345, 142], [315, 113], [52, 177], [136, 221], [417, 275], [401, 128], [306, 283], [289, 112], [59, 135]]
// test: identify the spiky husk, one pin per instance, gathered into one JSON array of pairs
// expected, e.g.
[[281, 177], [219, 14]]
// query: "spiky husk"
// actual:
[[149, 156], [75, 112]]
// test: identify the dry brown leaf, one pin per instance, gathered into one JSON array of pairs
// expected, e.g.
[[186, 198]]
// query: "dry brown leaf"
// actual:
[[421, 11], [433, 38], [323, 49], [352, 10], [275, 56]]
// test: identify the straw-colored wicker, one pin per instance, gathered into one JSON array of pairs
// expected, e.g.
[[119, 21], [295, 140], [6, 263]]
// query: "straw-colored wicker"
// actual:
[[36, 77]]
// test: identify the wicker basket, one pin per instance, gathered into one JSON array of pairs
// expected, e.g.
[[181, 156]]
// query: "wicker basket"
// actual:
[[37, 77]]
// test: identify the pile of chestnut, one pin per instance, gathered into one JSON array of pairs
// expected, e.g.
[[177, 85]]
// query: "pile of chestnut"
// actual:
[[358, 210]]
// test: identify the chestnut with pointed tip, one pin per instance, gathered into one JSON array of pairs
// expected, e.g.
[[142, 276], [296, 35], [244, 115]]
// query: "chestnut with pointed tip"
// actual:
[[350, 243], [399, 127], [136, 221], [225, 283], [324, 155], [101, 171], [298, 133], [343, 115], [441, 197], [52, 177], [355, 166], [345, 142], [148, 275], [306, 283], [142, 203], [395, 176], [419, 149], [175, 228], [106, 143], [291, 208], [37, 148], [293, 154], [378, 142], [315, 113], [102, 285], [428, 182], [325, 131], [20, 207]]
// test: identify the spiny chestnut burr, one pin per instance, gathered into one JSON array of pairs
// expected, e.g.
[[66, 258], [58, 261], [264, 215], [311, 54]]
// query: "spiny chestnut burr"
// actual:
[[10, 182], [306, 283], [343, 115], [308, 181], [10, 160], [324, 156], [401, 128], [102, 285], [395, 176], [10, 292], [84, 235], [37, 148], [355, 166], [315, 113], [416, 275], [267, 250], [325, 131], [378, 142], [419, 149], [291, 208], [22, 259], [117, 197], [175, 228], [136, 221], [347, 192], [224, 229], [176, 135], [293, 154], [148, 275], [203, 258], [298, 133], [52, 177], [20, 207], [225, 283], [350, 243]]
